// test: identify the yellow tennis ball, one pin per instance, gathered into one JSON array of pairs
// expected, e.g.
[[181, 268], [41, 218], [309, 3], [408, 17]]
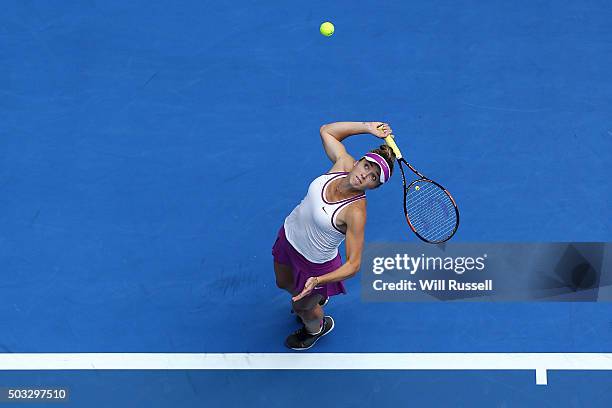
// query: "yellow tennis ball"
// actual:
[[417, 188], [327, 29]]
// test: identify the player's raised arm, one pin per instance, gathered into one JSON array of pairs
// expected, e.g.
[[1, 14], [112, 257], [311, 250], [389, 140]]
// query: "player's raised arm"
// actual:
[[333, 134]]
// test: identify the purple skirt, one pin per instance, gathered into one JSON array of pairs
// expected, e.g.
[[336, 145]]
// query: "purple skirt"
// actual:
[[284, 253]]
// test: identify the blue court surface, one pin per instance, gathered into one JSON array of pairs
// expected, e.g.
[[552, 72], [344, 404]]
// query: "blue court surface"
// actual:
[[149, 152]]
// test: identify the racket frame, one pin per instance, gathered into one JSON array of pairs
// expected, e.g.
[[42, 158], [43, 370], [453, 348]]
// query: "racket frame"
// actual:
[[400, 160], [422, 178]]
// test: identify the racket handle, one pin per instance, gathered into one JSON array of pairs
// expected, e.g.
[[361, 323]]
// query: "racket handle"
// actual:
[[391, 143]]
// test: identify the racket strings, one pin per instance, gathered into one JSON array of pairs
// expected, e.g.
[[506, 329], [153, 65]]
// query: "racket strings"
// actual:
[[433, 230], [430, 211]]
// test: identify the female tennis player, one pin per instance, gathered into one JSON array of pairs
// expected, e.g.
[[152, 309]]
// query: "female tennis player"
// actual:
[[306, 259]]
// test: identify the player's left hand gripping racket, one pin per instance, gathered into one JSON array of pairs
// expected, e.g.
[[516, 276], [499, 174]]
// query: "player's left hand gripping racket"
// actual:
[[430, 210]]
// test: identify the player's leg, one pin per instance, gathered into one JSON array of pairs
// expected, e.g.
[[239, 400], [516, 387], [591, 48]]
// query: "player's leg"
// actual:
[[284, 277], [311, 313], [316, 325]]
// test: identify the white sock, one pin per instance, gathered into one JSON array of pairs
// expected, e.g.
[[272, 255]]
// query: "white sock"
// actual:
[[314, 326]]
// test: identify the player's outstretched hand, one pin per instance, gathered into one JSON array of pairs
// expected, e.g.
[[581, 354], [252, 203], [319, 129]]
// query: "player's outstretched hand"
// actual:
[[308, 287]]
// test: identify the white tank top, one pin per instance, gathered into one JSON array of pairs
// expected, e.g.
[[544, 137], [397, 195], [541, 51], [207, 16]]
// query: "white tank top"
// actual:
[[311, 227]]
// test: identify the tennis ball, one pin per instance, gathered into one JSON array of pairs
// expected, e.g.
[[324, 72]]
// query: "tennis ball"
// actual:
[[417, 188], [327, 29]]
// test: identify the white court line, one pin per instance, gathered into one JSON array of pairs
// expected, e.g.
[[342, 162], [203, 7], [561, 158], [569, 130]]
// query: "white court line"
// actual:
[[541, 376], [540, 362]]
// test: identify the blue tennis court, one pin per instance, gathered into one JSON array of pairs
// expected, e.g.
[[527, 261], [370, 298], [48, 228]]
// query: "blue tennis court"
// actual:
[[149, 152]]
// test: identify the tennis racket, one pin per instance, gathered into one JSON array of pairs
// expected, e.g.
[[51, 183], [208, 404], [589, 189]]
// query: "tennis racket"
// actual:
[[430, 210]]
